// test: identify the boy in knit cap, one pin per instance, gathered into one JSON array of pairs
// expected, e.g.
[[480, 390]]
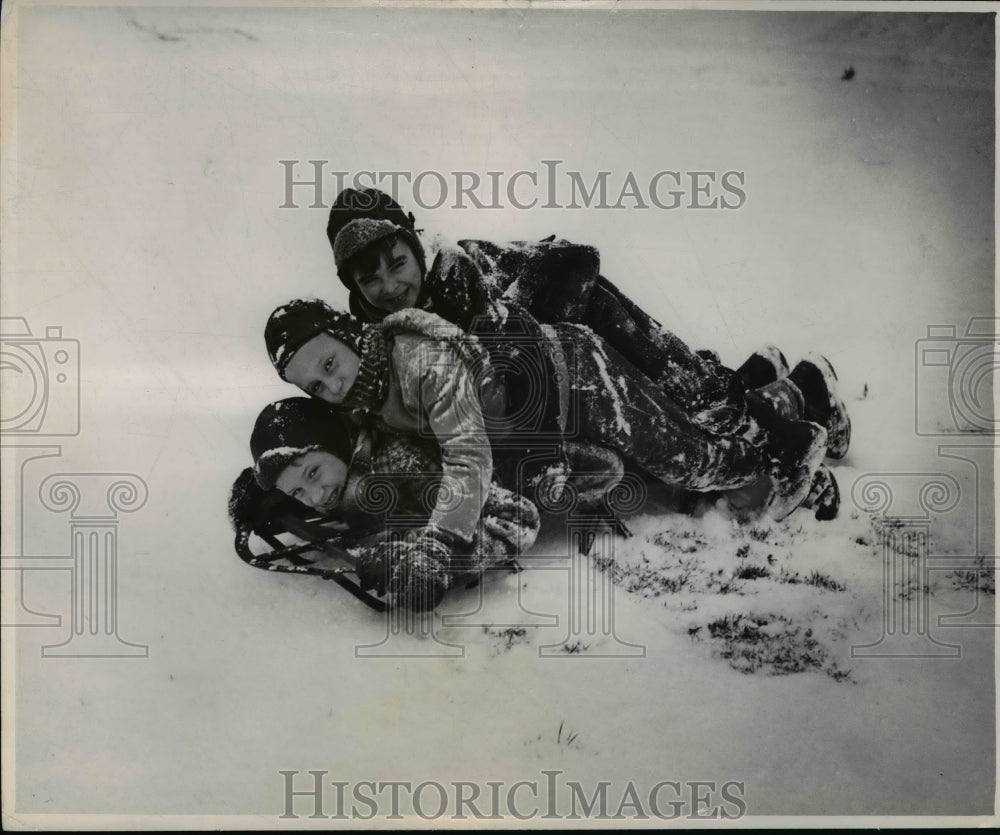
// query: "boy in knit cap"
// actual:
[[305, 451], [380, 259], [420, 375]]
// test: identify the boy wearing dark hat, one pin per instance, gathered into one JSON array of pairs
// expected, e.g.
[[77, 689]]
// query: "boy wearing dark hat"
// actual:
[[305, 450], [416, 374], [381, 261]]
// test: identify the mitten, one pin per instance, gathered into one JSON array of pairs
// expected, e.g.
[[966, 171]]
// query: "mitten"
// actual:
[[372, 566], [420, 574], [509, 526]]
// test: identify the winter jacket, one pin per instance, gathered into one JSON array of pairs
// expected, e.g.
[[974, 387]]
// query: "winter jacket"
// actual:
[[455, 289], [600, 398], [555, 280], [433, 392], [552, 279], [559, 281], [395, 476]]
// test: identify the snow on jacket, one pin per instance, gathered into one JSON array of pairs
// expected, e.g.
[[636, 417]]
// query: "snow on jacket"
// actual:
[[454, 288], [395, 475], [559, 281], [433, 391], [552, 279], [457, 290]]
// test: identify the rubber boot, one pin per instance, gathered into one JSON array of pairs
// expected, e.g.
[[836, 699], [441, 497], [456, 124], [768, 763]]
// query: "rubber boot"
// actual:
[[796, 453], [824, 495], [791, 452], [817, 381], [763, 367]]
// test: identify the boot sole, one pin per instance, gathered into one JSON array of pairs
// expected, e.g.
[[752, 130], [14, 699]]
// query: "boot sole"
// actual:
[[828, 511], [763, 367]]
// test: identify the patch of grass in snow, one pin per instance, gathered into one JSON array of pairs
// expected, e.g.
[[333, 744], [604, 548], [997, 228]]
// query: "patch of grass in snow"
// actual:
[[771, 644], [682, 541], [505, 639], [974, 580], [982, 578], [913, 588], [816, 578], [647, 580], [751, 572]]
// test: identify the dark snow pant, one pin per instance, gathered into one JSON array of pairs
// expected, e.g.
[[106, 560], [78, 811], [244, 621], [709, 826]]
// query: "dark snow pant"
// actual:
[[614, 405], [709, 393], [557, 281]]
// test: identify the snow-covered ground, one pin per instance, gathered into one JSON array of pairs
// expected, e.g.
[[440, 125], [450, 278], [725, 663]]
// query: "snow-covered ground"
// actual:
[[141, 200]]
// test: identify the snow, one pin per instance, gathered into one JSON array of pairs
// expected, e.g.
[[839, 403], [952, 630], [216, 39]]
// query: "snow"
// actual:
[[600, 359], [154, 238]]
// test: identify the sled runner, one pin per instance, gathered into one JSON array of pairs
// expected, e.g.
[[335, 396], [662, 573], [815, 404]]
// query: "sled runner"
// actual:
[[323, 553], [276, 533]]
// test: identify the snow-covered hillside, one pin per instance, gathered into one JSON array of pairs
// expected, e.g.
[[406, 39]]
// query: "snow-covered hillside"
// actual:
[[141, 214]]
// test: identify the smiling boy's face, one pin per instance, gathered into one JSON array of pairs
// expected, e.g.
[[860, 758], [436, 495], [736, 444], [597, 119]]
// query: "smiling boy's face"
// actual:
[[315, 478], [324, 368], [389, 277]]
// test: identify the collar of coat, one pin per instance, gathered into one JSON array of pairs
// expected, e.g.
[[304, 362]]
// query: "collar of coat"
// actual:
[[371, 387]]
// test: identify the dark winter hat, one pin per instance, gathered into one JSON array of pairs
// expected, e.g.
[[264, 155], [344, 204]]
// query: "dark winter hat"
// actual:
[[359, 234], [369, 204], [292, 325], [353, 203], [362, 233], [289, 428]]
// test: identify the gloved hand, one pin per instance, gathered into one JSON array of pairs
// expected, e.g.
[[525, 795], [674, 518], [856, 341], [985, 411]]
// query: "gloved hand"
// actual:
[[452, 542], [372, 566], [508, 527], [422, 571]]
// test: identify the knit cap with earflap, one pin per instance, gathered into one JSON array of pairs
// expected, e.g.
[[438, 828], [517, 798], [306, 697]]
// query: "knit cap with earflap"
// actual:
[[292, 325], [289, 428], [368, 204]]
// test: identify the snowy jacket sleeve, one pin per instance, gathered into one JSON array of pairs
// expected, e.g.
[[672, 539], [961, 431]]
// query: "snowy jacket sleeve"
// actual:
[[457, 290], [553, 279], [436, 385]]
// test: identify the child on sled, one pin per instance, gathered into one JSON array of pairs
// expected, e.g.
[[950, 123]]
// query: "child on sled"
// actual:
[[420, 375], [380, 259], [310, 461]]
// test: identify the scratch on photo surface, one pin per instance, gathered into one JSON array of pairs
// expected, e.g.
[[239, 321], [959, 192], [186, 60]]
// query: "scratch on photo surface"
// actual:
[[708, 285], [177, 35]]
